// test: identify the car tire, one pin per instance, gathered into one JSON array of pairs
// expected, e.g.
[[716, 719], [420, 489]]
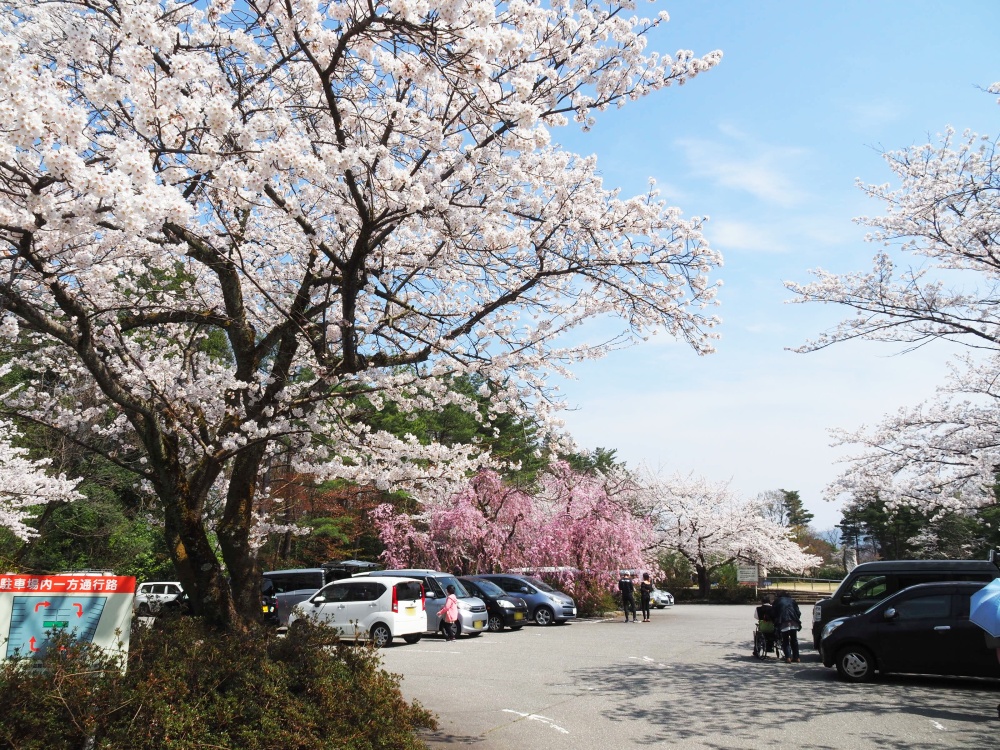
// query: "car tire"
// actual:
[[413, 638], [544, 616], [495, 623], [855, 664], [380, 635], [144, 610]]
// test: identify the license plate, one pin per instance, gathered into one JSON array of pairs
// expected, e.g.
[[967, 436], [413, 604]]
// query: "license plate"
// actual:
[[519, 615], [478, 625], [265, 608], [411, 610]]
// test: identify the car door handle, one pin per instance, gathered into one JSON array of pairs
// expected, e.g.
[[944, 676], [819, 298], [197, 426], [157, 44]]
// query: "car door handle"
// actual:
[[940, 628]]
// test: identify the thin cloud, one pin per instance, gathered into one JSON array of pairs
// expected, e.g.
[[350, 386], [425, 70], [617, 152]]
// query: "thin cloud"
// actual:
[[737, 162]]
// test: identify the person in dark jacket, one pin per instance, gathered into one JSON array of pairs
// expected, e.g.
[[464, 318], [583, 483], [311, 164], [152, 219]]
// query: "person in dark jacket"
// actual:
[[645, 595], [788, 621], [627, 589]]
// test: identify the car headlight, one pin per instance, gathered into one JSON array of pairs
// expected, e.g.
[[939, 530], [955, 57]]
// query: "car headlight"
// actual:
[[505, 604], [463, 605], [832, 625]]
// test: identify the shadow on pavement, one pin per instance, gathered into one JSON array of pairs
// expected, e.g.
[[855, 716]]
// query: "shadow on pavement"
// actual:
[[728, 705]]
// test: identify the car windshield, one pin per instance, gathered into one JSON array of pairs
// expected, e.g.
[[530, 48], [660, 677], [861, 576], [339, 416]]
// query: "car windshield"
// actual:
[[446, 581], [490, 589], [540, 585]]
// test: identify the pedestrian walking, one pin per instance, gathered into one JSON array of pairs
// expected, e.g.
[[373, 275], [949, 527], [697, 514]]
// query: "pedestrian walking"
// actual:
[[627, 590], [788, 620], [449, 614], [645, 595]]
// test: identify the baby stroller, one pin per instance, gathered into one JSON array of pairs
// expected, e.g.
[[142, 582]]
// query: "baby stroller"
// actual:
[[765, 640]]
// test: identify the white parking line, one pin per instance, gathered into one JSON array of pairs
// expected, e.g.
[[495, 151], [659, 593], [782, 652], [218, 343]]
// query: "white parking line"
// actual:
[[535, 717]]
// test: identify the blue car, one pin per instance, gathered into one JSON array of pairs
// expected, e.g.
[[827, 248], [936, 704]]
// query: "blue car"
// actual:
[[545, 604]]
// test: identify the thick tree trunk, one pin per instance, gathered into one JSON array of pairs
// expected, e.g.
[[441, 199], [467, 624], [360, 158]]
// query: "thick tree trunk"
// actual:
[[198, 567], [234, 534], [704, 583]]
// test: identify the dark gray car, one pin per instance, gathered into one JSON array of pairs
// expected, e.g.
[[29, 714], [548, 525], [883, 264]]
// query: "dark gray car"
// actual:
[[546, 605]]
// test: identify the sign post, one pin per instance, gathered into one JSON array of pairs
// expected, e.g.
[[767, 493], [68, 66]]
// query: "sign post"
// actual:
[[93, 608]]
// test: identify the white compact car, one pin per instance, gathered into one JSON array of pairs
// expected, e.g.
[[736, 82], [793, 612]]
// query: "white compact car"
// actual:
[[378, 609], [152, 595], [661, 599]]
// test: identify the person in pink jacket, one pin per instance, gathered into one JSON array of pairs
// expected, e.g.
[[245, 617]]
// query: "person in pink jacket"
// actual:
[[449, 614]]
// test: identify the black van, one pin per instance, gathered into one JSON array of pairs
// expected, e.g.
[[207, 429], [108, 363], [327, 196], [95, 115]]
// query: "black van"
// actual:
[[871, 582]]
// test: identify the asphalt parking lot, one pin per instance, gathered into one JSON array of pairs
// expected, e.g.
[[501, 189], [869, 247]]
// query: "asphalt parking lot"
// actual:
[[685, 680]]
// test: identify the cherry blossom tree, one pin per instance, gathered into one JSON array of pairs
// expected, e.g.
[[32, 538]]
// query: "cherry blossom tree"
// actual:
[[26, 484], [224, 224], [942, 455], [944, 213], [582, 523], [711, 526]]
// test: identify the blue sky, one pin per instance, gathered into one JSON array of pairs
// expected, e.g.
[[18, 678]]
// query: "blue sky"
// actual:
[[769, 145]]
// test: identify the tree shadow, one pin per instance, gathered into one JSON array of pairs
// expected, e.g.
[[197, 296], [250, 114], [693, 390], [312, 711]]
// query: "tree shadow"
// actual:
[[730, 705]]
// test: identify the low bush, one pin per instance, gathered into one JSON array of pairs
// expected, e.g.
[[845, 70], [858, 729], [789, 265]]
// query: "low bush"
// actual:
[[719, 595], [190, 687]]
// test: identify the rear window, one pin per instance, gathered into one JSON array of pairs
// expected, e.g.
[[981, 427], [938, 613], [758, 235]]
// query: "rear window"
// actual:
[[295, 581], [408, 590]]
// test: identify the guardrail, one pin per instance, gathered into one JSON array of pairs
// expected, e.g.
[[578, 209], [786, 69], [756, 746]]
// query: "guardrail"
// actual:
[[798, 583]]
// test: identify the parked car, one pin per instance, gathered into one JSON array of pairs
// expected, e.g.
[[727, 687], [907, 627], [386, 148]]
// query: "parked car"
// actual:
[[545, 604], [502, 610], [378, 610], [289, 587], [661, 599], [152, 595], [871, 582], [472, 617], [922, 629]]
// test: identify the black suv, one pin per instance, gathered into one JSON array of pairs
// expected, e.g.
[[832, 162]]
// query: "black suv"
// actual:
[[871, 582], [924, 629]]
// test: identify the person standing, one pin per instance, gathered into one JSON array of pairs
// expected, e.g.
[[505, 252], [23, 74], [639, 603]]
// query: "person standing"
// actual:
[[449, 614], [627, 589], [788, 621], [645, 595]]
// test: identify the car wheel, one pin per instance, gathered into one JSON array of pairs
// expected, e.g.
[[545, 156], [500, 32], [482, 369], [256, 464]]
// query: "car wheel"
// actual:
[[855, 664], [144, 610], [543, 616], [495, 623], [412, 638], [380, 635]]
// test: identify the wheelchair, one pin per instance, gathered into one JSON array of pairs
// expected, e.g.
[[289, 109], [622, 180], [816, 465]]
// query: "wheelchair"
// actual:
[[766, 641]]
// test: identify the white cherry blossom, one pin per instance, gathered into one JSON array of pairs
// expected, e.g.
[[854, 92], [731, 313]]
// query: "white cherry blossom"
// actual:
[[227, 230]]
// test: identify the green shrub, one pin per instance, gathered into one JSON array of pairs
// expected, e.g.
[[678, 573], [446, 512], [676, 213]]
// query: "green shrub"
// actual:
[[719, 595], [189, 687]]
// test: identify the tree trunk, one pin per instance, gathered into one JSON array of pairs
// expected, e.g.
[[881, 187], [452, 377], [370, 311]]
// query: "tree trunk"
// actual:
[[197, 565], [234, 534], [704, 584]]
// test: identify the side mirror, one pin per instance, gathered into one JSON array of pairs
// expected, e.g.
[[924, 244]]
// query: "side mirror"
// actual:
[[524, 590], [317, 600], [890, 614]]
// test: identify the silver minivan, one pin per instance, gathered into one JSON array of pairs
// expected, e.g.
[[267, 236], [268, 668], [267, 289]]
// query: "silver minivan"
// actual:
[[472, 616]]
